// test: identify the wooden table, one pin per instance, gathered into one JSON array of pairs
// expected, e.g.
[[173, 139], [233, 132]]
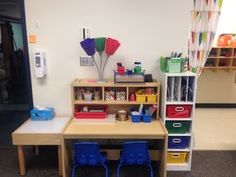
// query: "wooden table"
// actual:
[[39, 133], [119, 130]]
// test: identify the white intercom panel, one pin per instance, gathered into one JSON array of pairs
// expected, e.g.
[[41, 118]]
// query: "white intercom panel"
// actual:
[[40, 64]]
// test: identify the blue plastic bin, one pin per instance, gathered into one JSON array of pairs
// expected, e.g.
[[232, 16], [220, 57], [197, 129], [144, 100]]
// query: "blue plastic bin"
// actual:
[[136, 118], [46, 114], [178, 142], [147, 118]]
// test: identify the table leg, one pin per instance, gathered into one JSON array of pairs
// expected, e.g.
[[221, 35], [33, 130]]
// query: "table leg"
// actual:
[[21, 159], [64, 159], [59, 160], [163, 167]]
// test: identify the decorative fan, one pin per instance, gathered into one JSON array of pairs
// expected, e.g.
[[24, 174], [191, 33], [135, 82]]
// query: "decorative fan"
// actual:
[[104, 47]]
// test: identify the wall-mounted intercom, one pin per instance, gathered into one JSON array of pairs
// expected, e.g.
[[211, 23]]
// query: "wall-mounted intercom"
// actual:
[[40, 64]]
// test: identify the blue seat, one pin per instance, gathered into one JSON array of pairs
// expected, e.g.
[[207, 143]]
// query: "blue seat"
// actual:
[[88, 154], [135, 153]]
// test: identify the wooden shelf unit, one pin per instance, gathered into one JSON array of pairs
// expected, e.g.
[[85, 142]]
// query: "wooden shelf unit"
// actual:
[[114, 105], [173, 94], [221, 58]]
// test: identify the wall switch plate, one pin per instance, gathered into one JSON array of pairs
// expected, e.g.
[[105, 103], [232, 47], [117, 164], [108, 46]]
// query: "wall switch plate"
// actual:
[[86, 61], [86, 33]]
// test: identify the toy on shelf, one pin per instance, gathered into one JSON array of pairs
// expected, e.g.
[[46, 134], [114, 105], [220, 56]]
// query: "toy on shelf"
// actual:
[[137, 68], [135, 75], [120, 69], [132, 97]]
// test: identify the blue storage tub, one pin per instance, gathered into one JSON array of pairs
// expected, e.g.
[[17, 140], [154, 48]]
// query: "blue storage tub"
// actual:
[[178, 142], [46, 114], [147, 118], [136, 118]]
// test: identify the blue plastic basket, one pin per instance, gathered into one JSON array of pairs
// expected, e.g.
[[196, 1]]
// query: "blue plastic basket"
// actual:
[[46, 114], [136, 118], [147, 118]]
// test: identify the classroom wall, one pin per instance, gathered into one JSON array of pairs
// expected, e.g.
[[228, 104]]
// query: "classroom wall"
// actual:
[[219, 87], [145, 29]]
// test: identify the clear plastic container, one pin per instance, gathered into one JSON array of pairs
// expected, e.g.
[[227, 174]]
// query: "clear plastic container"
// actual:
[[88, 97]]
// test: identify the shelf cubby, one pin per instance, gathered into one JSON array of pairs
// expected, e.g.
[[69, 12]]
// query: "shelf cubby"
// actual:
[[178, 94], [114, 96], [221, 58]]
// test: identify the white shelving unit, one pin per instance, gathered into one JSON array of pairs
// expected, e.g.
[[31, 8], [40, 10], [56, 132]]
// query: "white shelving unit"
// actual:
[[179, 89]]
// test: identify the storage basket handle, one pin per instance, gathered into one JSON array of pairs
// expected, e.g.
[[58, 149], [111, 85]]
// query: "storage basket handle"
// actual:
[[176, 140], [179, 109], [175, 155], [177, 125]]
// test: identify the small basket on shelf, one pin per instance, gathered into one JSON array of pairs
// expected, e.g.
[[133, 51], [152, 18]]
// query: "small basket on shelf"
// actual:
[[91, 112]]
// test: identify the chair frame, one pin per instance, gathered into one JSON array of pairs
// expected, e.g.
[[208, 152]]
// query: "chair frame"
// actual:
[[102, 158], [147, 163]]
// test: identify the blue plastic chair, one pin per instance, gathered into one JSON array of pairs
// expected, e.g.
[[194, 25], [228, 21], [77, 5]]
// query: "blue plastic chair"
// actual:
[[135, 153], [88, 154]]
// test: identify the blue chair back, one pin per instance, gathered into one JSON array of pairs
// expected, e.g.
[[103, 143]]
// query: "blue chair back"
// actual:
[[135, 153], [87, 153]]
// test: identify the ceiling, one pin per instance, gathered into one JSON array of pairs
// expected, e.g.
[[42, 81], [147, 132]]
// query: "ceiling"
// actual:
[[9, 8]]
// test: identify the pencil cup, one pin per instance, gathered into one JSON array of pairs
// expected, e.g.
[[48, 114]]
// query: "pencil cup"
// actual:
[[147, 118], [88, 97]]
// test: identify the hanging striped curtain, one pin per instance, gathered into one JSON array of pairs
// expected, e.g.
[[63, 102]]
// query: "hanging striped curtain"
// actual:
[[205, 16]]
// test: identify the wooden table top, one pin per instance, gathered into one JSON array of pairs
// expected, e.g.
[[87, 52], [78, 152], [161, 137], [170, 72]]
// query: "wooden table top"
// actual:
[[54, 126], [40, 132], [119, 130]]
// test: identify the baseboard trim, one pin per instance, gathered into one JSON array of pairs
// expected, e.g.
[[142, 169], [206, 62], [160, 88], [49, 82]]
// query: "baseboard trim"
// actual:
[[215, 105]]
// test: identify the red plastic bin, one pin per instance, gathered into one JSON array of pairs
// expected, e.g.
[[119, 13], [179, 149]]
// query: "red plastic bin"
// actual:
[[179, 111], [80, 114]]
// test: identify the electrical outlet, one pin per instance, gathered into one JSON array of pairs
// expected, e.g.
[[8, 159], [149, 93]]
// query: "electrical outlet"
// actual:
[[86, 61]]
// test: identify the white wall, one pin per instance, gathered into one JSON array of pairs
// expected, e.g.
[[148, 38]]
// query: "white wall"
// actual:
[[227, 21], [146, 30], [219, 87]]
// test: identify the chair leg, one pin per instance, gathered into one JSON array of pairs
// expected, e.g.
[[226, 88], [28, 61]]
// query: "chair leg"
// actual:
[[106, 170], [73, 171], [151, 170], [118, 171]]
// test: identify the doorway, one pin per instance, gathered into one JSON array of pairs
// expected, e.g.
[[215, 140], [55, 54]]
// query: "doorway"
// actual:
[[15, 81]]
